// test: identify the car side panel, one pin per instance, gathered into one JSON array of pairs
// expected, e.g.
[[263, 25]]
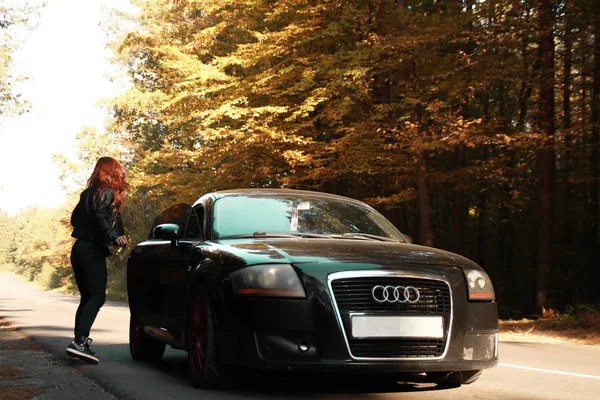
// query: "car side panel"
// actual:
[[157, 274], [146, 296]]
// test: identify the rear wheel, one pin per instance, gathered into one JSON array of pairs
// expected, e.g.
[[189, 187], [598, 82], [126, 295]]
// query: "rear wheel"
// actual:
[[454, 378], [202, 352], [141, 346]]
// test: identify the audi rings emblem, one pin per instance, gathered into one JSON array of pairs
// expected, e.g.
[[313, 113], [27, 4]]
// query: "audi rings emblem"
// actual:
[[395, 294]]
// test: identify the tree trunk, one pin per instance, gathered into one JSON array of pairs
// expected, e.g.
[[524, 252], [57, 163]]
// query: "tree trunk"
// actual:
[[457, 239], [481, 243], [594, 158], [426, 231], [545, 155], [568, 58], [567, 227], [525, 91], [583, 99], [458, 204]]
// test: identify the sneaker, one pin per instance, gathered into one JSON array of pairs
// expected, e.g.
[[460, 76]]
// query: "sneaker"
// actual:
[[82, 351]]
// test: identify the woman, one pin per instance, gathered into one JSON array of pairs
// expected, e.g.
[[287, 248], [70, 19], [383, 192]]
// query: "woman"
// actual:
[[96, 224]]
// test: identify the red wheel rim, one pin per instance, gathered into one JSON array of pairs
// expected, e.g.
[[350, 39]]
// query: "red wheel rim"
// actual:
[[197, 351], [136, 336]]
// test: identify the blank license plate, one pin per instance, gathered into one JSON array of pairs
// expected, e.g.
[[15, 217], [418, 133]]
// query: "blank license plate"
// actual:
[[368, 326]]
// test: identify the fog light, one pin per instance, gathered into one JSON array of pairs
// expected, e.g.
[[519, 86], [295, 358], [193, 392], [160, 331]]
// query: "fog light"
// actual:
[[480, 346]]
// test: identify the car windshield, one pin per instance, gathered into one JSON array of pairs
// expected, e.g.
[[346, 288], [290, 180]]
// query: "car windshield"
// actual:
[[256, 216]]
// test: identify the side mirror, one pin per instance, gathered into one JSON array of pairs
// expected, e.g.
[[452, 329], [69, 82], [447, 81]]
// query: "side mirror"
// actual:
[[407, 238], [170, 232]]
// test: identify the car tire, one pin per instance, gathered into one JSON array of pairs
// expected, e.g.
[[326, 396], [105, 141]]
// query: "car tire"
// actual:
[[203, 365], [141, 346], [454, 378]]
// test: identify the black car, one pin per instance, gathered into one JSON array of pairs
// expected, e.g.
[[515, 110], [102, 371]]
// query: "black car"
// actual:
[[303, 281]]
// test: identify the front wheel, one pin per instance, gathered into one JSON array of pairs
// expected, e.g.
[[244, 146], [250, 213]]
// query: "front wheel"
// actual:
[[202, 352], [454, 378], [141, 346]]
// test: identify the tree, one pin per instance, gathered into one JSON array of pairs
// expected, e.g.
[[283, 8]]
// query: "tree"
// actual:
[[439, 113], [595, 152], [14, 21], [545, 154]]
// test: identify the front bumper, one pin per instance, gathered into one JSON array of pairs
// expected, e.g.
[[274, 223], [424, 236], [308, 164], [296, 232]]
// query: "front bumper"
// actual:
[[311, 334]]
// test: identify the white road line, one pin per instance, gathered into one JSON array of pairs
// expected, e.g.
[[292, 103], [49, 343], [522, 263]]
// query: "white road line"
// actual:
[[550, 371], [45, 300]]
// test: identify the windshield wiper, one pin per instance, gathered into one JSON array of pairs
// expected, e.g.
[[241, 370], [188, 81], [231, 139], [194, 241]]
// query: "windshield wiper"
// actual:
[[311, 235], [257, 234], [358, 235], [260, 234]]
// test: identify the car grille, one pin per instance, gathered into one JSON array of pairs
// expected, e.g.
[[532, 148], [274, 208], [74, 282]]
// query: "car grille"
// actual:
[[397, 348], [353, 295]]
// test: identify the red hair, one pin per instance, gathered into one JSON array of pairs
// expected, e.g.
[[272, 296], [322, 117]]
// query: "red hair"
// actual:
[[108, 173]]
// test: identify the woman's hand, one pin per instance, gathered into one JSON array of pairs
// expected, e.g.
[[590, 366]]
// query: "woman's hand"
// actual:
[[122, 241]]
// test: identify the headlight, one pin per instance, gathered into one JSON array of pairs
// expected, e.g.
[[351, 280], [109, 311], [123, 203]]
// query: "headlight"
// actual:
[[479, 285], [272, 280]]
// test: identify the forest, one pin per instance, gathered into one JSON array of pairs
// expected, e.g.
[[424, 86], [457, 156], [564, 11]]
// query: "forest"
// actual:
[[473, 125]]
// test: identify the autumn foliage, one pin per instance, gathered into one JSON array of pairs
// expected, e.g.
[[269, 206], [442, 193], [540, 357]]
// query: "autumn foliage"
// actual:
[[435, 112]]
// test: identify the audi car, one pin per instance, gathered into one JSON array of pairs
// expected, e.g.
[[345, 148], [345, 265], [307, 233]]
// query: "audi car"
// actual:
[[295, 280]]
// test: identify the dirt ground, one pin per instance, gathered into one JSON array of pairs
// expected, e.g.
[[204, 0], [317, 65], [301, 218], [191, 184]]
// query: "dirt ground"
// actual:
[[29, 372], [529, 331]]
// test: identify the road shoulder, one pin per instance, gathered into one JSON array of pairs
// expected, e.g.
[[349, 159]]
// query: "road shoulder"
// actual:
[[28, 371]]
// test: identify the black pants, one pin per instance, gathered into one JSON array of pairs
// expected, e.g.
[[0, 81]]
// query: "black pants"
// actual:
[[89, 265]]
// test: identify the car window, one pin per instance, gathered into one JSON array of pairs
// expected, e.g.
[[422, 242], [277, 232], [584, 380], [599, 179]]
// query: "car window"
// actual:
[[247, 215], [193, 228], [176, 214]]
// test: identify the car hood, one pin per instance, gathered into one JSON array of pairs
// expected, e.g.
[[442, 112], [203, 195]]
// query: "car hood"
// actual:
[[244, 252]]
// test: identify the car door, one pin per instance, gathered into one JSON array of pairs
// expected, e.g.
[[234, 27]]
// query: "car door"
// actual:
[[157, 275], [176, 270]]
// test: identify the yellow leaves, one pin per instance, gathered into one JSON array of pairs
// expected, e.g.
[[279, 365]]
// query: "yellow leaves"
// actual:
[[503, 138], [395, 200], [270, 93], [357, 74], [295, 157], [316, 97], [188, 67], [461, 131], [35, 237], [15, 21], [137, 98]]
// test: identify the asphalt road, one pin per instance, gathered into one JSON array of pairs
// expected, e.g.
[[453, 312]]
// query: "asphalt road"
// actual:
[[526, 370]]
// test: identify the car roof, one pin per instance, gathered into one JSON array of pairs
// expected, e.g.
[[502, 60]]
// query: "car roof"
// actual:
[[270, 191]]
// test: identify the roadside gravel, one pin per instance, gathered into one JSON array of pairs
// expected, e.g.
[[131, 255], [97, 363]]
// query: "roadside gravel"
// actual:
[[27, 371]]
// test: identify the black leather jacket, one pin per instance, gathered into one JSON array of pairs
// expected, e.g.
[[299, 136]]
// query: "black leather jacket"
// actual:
[[96, 220]]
